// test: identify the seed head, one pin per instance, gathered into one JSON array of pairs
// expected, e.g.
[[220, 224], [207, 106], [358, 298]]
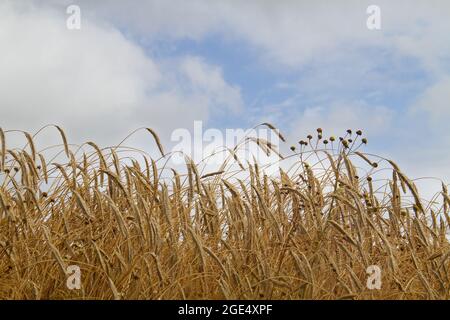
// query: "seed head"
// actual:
[[332, 138], [359, 132], [345, 143], [364, 140]]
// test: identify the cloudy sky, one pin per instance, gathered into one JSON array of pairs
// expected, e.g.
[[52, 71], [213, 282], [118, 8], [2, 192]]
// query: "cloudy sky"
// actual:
[[233, 64]]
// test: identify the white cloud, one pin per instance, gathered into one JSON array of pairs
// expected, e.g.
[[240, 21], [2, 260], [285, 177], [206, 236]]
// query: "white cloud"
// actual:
[[95, 82], [290, 33], [209, 81], [99, 79], [339, 117], [436, 100], [52, 74]]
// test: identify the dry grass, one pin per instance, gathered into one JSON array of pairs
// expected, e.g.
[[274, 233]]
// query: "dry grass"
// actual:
[[137, 233]]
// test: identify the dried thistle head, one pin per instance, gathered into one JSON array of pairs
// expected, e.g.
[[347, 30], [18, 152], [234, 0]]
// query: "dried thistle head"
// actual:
[[364, 140], [359, 132], [345, 143]]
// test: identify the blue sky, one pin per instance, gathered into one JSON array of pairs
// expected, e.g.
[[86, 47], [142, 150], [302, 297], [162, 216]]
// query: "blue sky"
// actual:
[[234, 64]]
